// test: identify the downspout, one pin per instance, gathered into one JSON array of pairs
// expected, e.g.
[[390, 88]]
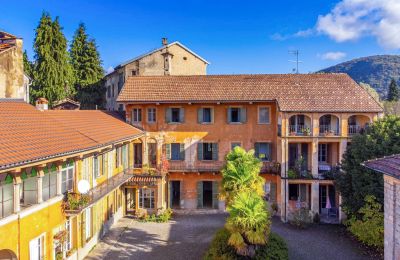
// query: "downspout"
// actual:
[[19, 236]]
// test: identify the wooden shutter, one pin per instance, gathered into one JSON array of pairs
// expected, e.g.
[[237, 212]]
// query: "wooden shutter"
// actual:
[[182, 152], [243, 115], [181, 115], [303, 192], [215, 194], [272, 193], [199, 194], [200, 115], [168, 151], [228, 115], [215, 151], [168, 115], [200, 151]]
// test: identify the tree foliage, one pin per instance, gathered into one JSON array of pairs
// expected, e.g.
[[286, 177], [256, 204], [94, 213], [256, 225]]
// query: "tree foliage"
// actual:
[[380, 139], [393, 92], [52, 73], [86, 63], [28, 66]]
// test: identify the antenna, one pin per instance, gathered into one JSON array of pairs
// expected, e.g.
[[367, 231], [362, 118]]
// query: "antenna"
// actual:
[[297, 61]]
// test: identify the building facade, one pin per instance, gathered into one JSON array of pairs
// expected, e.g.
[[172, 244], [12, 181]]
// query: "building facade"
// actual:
[[170, 59], [65, 178], [296, 126]]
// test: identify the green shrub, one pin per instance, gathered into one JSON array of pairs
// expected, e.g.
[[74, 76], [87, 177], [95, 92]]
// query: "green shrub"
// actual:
[[301, 218], [275, 249], [369, 228]]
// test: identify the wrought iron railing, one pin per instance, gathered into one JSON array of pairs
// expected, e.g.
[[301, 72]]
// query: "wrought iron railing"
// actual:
[[303, 130], [328, 130], [202, 166], [354, 129]]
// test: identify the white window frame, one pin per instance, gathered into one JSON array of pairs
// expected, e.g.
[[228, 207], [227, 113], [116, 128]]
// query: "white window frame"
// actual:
[[151, 115], [40, 244], [150, 194], [88, 223], [68, 178], [136, 112], [269, 115], [322, 150]]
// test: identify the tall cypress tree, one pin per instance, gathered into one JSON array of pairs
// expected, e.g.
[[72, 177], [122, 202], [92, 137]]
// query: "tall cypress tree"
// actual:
[[393, 93], [88, 72], [52, 74], [28, 66]]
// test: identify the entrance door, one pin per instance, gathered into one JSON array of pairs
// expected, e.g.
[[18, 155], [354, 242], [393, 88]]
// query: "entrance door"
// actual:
[[130, 194], [176, 194], [207, 194]]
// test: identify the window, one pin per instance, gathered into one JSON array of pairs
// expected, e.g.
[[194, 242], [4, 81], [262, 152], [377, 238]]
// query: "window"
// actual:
[[29, 188], [207, 151], [118, 156], [151, 115], [263, 115], [68, 242], [96, 167], [322, 153], [205, 115], [6, 197], [88, 223], [293, 191], [146, 198], [233, 145], [175, 151], [137, 152], [174, 115], [136, 115], [36, 248], [263, 151], [152, 154], [133, 72], [49, 183], [67, 176], [108, 91], [236, 115]]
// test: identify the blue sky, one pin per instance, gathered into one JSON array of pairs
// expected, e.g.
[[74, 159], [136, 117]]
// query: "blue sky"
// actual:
[[234, 36]]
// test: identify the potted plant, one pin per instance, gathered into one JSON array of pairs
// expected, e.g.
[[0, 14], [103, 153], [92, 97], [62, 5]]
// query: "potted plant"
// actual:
[[307, 131], [291, 174], [292, 133]]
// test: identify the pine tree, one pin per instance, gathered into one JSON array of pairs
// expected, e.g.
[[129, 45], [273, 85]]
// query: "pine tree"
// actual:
[[28, 66], [88, 72], [52, 73], [393, 94]]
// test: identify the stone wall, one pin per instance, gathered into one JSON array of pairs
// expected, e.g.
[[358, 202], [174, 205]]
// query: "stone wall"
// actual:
[[392, 218]]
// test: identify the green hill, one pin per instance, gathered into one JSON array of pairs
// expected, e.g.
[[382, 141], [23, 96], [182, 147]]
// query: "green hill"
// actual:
[[376, 71]]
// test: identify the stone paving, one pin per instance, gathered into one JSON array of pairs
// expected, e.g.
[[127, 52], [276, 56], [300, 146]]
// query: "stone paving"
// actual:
[[188, 236]]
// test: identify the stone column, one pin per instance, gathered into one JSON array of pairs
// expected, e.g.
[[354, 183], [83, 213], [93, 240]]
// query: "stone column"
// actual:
[[315, 197], [314, 158], [59, 179], [40, 186], [342, 149], [17, 199], [284, 199], [315, 125]]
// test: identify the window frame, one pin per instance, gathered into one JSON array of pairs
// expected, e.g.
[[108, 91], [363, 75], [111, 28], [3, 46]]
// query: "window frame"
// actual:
[[238, 116], [179, 115], [320, 151], [154, 115], [237, 144], [68, 179], [269, 115], [150, 194], [257, 152], [201, 120], [136, 111]]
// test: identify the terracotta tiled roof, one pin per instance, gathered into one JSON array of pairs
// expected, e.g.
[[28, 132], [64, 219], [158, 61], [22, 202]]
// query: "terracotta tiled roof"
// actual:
[[7, 41], [389, 165], [28, 134], [293, 92]]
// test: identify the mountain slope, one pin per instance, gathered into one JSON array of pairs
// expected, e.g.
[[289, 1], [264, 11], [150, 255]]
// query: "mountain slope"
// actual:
[[376, 71]]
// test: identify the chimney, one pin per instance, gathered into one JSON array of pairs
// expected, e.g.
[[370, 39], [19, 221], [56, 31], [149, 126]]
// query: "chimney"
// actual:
[[42, 104], [164, 41]]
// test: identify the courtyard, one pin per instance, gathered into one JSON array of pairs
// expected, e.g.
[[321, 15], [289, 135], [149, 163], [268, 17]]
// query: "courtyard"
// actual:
[[188, 236]]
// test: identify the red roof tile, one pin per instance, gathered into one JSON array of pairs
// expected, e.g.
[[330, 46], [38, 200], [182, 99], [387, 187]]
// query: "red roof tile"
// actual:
[[293, 92], [389, 165]]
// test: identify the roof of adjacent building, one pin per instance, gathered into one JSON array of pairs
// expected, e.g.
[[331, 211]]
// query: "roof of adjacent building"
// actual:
[[29, 135], [293, 92], [66, 100], [161, 48], [7, 41], [389, 165]]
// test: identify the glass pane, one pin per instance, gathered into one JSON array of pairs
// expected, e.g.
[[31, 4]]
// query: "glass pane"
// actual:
[[53, 184], [46, 187], [30, 191]]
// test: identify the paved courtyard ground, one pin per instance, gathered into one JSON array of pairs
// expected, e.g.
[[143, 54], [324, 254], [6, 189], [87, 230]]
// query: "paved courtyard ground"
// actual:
[[188, 237]]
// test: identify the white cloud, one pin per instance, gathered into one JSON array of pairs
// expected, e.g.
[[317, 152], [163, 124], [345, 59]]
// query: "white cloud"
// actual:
[[353, 19], [304, 33], [299, 34], [338, 55]]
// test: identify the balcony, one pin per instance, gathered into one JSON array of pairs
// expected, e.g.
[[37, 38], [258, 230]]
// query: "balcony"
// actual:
[[299, 130], [329, 125], [271, 167], [354, 129], [76, 202], [328, 130], [201, 166]]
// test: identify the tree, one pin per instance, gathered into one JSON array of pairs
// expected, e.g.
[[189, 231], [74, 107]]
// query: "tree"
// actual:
[[373, 93], [52, 72], [249, 220], [355, 182], [28, 66], [88, 72], [393, 94]]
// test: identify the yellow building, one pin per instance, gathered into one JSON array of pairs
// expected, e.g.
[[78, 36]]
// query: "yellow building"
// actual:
[[48, 159]]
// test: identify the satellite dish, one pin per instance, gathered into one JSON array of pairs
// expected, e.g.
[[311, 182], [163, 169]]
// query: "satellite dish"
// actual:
[[83, 186]]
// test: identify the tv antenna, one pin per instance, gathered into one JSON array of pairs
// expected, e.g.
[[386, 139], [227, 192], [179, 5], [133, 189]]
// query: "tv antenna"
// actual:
[[297, 61]]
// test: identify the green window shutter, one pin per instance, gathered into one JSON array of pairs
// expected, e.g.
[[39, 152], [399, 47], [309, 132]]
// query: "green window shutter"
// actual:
[[200, 151], [243, 115], [272, 194], [199, 194], [168, 115], [181, 115], [215, 151], [303, 192], [182, 152], [228, 115], [257, 150], [215, 194], [168, 151], [200, 115], [33, 172]]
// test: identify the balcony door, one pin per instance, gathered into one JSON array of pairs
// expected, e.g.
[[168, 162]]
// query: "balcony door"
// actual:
[[137, 157]]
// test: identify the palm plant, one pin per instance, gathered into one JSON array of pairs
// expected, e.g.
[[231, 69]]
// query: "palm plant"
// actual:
[[241, 173], [248, 222]]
